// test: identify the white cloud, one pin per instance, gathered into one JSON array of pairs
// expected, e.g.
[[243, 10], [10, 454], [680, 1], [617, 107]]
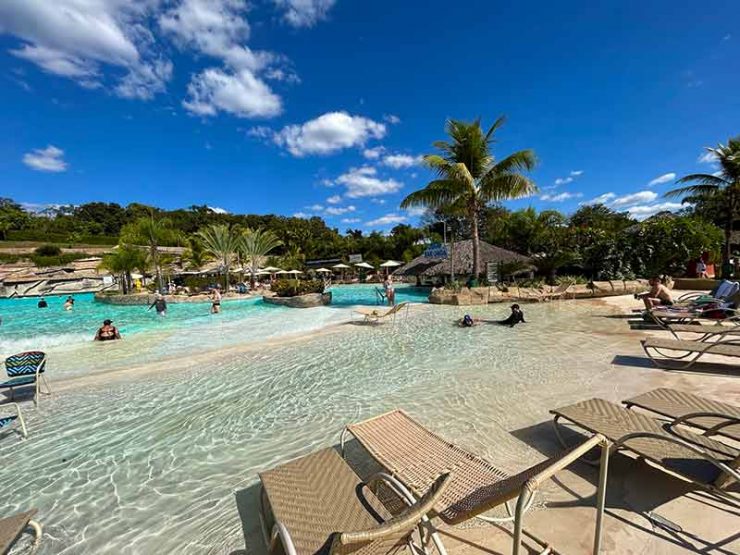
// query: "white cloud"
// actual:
[[601, 199], [240, 94], [560, 197], [303, 215], [364, 182], [350, 220], [665, 178], [707, 158], [641, 212], [315, 208], [304, 13], [373, 153], [377, 200], [727, 37], [339, 210], [388, 219], [576, 173], [334, 199], [392, 119], [74, 38], [329, 133], [399, 161], [416, 211], [634, 199], [563, 180], [49, 159]]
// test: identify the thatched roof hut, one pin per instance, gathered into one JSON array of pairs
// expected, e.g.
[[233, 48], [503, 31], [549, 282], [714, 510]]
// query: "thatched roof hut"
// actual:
[[462, 260]]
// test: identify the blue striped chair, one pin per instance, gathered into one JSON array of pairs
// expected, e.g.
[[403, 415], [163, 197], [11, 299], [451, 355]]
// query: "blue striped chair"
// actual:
[[17, 418], [26, 369]]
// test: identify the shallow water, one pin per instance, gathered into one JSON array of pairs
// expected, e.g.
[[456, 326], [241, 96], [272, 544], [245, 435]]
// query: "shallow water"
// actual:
[[149, 463]]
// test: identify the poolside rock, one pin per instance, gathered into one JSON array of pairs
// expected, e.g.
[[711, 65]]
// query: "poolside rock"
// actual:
[[309, 300]]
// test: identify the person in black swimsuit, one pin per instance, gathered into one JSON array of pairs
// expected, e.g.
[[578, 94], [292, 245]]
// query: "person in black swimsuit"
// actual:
[[43, 303], [516, 317], [160, 304], [107, 332]]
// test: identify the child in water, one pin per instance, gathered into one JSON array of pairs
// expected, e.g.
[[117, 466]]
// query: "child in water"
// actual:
[[514, 318]]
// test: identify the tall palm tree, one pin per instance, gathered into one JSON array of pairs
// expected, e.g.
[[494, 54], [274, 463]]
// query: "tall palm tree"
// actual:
[[254, 247], [723, 186], [469, 177], [152, 232], [124, 260], [221, 242]]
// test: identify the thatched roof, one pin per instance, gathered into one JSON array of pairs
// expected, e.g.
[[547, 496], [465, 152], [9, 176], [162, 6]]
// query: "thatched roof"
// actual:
[[462, 254]]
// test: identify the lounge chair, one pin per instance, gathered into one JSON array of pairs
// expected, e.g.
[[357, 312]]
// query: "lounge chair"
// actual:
[[17, 418], [700, 460], [724, 291], [376, 316], [26, 369], [12, 527], [707, 332], [318, 505], [414, 456], [713, 417], [666, 316], [685, 349], [556, 294]]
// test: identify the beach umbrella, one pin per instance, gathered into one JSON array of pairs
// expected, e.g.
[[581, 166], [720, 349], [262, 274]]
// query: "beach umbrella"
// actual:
[[295, 272], [390, 264], [272, 270], [281, 272], [341, 267], [324, 270], [365, 265]]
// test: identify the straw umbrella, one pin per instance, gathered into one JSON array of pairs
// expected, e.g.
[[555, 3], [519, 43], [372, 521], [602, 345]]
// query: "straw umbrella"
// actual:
[[388, 264], [341, 267]]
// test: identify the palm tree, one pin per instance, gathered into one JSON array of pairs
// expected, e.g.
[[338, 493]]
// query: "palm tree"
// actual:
[[469, 178], [151, 232], [255, 245], [221, 242], [124, 260], [722, 186]]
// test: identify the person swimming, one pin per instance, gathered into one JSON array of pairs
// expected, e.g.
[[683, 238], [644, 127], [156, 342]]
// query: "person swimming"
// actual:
[[107, 332], [467, 321], [516, 317], [69, 303], [43, 303], [160, 304]]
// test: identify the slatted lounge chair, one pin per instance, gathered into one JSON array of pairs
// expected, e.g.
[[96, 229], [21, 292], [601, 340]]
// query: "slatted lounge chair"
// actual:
[[413, 455], [317, 505], [713, 417], [706, 332], [26, 369], [724, 291], [12, 527], [710, 464], [665, 316], [6, 421], [693, 350], [376, 316]]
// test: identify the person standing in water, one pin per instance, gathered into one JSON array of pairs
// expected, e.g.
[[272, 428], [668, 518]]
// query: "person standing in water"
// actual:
[[215, 301], [69, 303], [42, 303], [107, 332], [390, 292], [160, 304]]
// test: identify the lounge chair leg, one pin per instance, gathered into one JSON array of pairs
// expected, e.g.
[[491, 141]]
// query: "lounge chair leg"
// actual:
[[520, 505], [592, 462], [38, 531], [601, 495]]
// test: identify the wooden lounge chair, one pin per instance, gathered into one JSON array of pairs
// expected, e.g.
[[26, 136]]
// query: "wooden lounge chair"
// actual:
[[686, 408], [710, 464], [17, 418], [685, 349], [12, 527], [413, 455], [317, 505], [26, 369], [376, 316]]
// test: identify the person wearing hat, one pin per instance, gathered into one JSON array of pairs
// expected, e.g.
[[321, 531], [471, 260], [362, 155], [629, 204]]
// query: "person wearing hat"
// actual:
[[107, 332], [160, 304]]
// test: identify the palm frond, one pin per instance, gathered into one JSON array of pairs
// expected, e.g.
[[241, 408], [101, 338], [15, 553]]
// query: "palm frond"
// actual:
[[523, 160], [496, 125], [692, 190], [506, 186]]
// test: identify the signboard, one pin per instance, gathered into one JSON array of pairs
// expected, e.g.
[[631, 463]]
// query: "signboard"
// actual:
[[355, 258], [436, 250], [492, 272]]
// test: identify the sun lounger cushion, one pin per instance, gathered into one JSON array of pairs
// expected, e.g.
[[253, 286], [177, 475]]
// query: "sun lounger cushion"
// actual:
[[675, 404], [317, 496], [614, 422]]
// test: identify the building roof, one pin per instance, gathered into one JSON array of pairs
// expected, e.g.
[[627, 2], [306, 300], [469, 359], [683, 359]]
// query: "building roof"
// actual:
[[462, 254]]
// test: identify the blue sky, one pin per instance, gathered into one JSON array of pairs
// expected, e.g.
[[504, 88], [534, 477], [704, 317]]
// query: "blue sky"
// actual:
[[324, 106]]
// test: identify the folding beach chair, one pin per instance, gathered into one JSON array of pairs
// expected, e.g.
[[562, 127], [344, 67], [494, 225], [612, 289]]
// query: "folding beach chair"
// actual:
[[26, 369]]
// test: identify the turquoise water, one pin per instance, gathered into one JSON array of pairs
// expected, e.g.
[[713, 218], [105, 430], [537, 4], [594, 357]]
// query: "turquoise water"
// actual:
[[145, 441]]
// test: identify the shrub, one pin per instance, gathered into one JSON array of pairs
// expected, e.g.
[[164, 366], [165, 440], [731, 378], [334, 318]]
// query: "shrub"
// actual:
[[47, 250], [294, 287], [59, 260], [575, 279]]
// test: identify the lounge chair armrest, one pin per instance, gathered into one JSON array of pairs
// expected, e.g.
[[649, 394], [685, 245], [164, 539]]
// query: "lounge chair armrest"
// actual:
[[722, 466], [728, 420], [395, 486], [569, 458], [280, 531]]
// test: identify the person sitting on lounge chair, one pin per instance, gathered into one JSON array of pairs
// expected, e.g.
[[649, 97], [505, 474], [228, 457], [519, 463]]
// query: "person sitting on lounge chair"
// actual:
[[659, 294], [514, 318], [107, 332]]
